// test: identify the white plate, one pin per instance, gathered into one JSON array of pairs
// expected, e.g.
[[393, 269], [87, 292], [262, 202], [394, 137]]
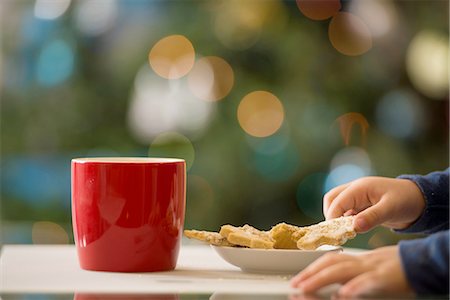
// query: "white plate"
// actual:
[[271, 261]]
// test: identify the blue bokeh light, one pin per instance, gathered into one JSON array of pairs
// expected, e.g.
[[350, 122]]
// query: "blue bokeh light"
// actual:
[[269, 145], [310, 193], [34, 30], [343, 174], [399, 114], [276, 166], [55, 63], [37, 180]]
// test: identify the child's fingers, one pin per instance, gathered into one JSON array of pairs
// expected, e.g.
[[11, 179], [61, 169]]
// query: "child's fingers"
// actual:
[[371, 217], [338, 273], [363, 284], [321, 263], [331, 195], [350, 212], [352, 199]]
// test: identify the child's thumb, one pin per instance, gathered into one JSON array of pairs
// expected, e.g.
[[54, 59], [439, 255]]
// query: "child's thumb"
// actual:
[[369, 218]]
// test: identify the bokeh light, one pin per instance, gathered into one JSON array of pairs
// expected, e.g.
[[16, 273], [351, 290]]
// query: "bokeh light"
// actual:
[[260, 113], [96, 17], [274, 159], [211, 78], [319, 9], [310, 193], [160, 105], [349, 34], [239, 24], [346, 124], [427, 63], [380, 16], [55, 63], [45, 232], [270, 145], [348, 164], [343, 174], [50, 9], [400, 114], [172, 57], [355, 156], [173, 145], [39, 181]]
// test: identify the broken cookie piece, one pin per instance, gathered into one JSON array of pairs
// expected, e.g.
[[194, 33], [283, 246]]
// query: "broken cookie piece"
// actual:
[[334, 232], [209, 237], [247, 236], [283, 235]]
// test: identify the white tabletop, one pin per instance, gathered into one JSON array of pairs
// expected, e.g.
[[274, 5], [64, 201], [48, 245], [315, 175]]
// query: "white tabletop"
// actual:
[[54, 269]]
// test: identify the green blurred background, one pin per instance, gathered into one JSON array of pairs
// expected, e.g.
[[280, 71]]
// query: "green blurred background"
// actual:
[[356, 88]]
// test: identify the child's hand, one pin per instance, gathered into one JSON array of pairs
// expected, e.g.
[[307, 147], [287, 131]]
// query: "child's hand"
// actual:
[[395, 203], [375, 272]]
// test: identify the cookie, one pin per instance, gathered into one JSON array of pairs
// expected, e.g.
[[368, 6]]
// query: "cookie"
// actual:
[[209, 237], [247, 236], [334, 232], [283, 236]]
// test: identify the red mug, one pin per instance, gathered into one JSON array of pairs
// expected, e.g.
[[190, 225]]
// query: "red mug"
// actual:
[[128, 213]]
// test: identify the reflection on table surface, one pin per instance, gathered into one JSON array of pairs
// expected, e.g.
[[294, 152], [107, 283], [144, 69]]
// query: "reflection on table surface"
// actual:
[[175, 296]]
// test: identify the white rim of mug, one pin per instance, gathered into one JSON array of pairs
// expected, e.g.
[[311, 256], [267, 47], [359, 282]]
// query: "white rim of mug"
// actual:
[[126, 160]]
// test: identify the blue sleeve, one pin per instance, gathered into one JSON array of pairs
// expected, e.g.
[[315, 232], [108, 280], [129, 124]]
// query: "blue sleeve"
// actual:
[[425, 262], [435, 217]]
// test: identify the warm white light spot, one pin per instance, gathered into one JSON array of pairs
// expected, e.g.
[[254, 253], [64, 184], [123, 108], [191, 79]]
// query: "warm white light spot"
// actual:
[[349, 34], [211, 78], [50, 9], [260, 114], [379, 15], [95, 17], [172, 57], [158, 105], [427, 63]]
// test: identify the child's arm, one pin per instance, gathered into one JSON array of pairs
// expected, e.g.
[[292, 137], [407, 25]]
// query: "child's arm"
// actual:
[[426, 263], [435, 188]]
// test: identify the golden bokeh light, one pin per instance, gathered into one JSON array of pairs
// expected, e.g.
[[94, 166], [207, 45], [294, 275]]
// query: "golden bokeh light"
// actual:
[[172, 57], [45, 232], [349, 34], [211, 78], [346, 123], [319, 9], [260, 114], [427, 63], [239, 24]]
